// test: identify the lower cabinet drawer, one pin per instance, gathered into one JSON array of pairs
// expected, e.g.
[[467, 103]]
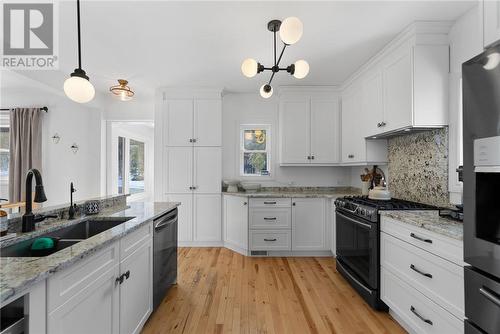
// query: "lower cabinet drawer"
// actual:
[[270, 240], [275, 218], [416, 310], [270, 202], [438, 279]]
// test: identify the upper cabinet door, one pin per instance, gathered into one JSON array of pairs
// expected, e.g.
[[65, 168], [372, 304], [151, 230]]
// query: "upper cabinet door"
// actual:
[[491, 22], [325, 129], [353, 141], [207, 122], [398, 90], [207, 169], [295, 131], [179, 169], [179, 123], [372, 105]]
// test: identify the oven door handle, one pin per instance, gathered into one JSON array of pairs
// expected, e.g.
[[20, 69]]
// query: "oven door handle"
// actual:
[[355, 221], [490, 295]]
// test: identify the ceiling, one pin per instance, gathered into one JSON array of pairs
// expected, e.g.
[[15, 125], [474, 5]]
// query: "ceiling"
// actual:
[[188, 43]]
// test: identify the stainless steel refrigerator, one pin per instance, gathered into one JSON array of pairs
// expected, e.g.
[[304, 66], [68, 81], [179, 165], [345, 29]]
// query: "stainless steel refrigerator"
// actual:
[[481, 178]]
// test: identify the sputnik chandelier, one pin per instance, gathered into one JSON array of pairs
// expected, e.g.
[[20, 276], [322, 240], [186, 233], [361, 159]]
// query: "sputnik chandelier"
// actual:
[[290, 32]]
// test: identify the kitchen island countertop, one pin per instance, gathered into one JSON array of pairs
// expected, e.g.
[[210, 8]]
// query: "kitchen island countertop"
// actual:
[[18, 274]]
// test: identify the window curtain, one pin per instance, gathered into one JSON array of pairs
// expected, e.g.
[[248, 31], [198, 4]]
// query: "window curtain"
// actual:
[[25, 148]]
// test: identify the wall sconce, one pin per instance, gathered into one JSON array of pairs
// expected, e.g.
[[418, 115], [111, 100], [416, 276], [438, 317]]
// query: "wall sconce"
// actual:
[[56, 138], [74, 148]]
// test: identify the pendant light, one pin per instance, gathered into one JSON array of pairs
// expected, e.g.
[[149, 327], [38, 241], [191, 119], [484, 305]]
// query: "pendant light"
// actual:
[[78, 87], [290, 32], [122, 91]]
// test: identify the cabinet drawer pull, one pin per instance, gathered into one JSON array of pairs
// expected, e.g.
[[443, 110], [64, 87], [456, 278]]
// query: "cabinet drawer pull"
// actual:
[[379, 125], [490, 295], [308, 157], [269, 202], [190, 140], [312, 157], [414, 236], [383, 124], [270, 218], [127, 274], [427, 321], [412, 267], [350, 156], [119, 280], [274, 239]]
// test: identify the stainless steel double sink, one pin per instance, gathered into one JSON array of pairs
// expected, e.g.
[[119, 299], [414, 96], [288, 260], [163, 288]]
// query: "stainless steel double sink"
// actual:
[[64, 237]]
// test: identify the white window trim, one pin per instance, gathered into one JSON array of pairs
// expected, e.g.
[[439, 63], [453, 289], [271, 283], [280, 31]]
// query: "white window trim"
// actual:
[[241, 149]]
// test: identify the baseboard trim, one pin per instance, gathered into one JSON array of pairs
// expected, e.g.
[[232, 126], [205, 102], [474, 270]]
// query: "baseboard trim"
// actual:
[[200, 244], [236, 248]]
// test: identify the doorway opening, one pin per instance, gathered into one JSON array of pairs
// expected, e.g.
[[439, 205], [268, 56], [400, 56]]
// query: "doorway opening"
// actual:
[[130, 159]]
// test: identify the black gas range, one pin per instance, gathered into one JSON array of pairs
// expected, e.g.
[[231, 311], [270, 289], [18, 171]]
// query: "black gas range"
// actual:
[[358, 241]]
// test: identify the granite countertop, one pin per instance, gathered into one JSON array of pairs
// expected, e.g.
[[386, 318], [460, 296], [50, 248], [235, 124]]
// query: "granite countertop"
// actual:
[[297, 192], [429, 220], [17, 274]]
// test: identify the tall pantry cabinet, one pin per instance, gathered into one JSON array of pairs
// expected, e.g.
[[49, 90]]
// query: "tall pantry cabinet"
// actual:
[[188, 165]]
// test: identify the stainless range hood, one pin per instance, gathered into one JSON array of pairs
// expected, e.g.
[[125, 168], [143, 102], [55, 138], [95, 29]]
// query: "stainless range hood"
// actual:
[[404, 131]]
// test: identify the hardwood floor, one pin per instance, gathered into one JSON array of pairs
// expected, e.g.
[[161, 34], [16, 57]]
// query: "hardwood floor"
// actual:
[[220, 291]]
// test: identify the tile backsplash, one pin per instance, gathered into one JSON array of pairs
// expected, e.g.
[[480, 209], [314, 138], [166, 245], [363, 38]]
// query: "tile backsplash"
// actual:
[[418, 167]]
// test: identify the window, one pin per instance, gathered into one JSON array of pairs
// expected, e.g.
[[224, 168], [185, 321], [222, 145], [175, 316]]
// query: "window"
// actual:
[[130, 166], [4, 147], [255, 148], [136, 184]]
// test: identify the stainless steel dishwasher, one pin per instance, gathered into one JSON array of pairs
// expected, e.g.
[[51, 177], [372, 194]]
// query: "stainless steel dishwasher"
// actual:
[[164, 255]]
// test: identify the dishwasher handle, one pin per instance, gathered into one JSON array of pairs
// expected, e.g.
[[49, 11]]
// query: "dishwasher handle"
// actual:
[[166, 220]]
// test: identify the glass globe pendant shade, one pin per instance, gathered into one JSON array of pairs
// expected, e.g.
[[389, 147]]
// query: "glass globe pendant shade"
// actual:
[[249, 67], [291, 30], [301, 69], [266, 91], [78, 87]]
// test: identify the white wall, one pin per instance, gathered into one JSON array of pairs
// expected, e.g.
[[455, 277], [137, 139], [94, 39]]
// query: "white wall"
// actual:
[[252, 109], [75, 123], [466, 39]]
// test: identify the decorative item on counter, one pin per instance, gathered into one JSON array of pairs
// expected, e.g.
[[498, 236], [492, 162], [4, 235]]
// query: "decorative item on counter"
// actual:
[[232, 185], [251, 187], [56, 138], [74, 148], [365, 182], [378, 187], [92, 207]]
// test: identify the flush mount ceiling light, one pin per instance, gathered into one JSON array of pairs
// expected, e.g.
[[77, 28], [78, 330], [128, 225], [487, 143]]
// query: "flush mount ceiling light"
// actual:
[[290, 31], [122, 91], [78, 87]]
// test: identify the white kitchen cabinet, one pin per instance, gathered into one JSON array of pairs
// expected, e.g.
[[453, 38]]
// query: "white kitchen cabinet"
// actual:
[[235, 218], [309, 224], [178, 122], [136, 290], [207, 218], [93, 309], [325, 131], [88, 297], [189, 163], [402, 87], [491, 22], [309, 127], [191, 169], [372, 102], [397, 90], [179, 169], [193, 122], [207, 173], [207, 122], [185, 216], [355, 148], [294, 129]]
